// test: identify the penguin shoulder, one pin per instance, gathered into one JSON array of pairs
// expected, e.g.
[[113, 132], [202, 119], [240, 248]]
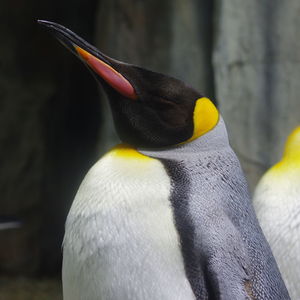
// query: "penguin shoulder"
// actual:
[[276, 198], [120, 173], [279, 182], [123, 182]]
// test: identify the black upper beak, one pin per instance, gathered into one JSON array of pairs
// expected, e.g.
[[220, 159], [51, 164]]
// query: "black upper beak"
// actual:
[[71, 40], [107, 68]]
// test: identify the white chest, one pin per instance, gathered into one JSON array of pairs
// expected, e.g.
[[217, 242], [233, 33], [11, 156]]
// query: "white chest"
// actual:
[[120, 240], [277, 204]]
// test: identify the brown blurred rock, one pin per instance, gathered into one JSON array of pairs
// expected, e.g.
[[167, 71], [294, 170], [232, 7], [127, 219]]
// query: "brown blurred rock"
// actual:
[[23, 95], [48, 130], [18, 288]]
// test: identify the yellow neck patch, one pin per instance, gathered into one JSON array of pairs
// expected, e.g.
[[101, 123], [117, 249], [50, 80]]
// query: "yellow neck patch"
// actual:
[[127, 152], [205, 117], [292, 145], [291, 157]]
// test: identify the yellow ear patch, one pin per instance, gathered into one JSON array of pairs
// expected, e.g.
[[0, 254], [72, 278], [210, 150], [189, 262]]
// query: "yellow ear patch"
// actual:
[[127, 152], [205, 117]]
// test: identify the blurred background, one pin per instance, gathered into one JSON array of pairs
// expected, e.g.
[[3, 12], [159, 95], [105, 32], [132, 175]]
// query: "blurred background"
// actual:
[[55, 123]]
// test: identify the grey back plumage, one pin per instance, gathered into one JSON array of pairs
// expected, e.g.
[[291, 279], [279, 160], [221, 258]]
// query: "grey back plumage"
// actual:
[[225, 252]]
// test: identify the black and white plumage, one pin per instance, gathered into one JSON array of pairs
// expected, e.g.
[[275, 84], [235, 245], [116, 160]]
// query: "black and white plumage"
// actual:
[[167, 216], [277, 204]]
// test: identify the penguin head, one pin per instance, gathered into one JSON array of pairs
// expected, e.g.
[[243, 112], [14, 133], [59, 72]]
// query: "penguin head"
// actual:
[[292, 145], [150, 110]]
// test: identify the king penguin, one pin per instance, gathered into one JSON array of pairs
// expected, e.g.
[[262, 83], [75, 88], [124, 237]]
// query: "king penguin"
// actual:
[[277, 204], [166, 215]]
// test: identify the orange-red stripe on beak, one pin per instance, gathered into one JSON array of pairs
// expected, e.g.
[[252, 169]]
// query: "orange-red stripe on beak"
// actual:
[[111, 76]]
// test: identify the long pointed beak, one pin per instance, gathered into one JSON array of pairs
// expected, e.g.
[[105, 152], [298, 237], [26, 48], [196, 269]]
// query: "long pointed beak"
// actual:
[[101, 64]]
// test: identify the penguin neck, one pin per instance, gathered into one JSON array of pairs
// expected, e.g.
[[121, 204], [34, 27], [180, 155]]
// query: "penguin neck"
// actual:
[[215, 139], [289, 163], [291, 156]]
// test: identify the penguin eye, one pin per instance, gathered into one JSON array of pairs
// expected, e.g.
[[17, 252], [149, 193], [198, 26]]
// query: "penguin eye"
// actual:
[[170, 112], [162, 103]]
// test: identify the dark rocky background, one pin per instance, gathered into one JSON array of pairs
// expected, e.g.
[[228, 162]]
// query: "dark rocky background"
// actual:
[[55, 124]]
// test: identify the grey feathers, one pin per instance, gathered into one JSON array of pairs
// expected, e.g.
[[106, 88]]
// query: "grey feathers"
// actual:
[[225, 252]]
